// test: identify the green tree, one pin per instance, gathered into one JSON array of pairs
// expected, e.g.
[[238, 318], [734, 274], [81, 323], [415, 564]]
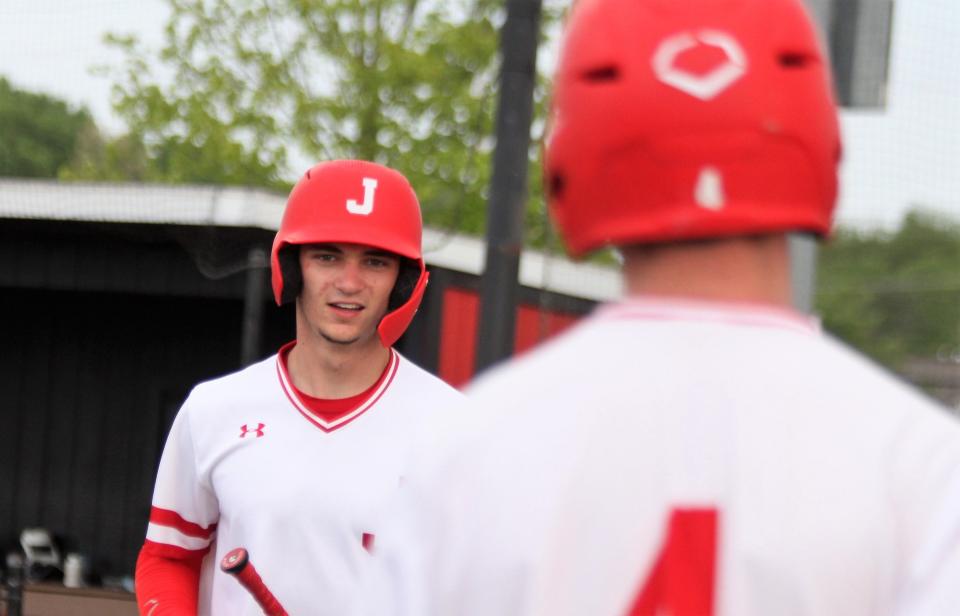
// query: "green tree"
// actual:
[[249, 88], [894, 295], [121, 159], [40, 132]]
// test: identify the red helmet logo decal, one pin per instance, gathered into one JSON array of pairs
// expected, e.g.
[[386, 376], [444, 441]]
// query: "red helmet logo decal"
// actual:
[[709, 85], [365, 208]]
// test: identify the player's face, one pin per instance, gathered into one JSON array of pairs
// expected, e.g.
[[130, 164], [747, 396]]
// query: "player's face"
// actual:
[[346, 289]]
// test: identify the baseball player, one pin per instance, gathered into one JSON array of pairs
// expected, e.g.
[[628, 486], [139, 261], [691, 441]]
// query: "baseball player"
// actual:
[[698, 448], [293, 458]]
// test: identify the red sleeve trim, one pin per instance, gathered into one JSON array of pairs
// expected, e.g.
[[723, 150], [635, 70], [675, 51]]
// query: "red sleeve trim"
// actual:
[[165, 550], [166, 517]]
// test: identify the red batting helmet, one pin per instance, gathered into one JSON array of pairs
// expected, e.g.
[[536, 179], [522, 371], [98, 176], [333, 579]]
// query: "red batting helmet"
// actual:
[[356, 202], [686, 119]]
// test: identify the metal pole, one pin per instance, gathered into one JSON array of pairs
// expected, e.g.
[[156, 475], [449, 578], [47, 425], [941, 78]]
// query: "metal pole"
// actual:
[[858, 35], [253, 305], [508, 186], [843, 30], [803, 270], [13, 584], [837, 20]]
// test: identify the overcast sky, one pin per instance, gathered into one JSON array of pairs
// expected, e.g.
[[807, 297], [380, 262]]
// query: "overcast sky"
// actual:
[[905, 155]]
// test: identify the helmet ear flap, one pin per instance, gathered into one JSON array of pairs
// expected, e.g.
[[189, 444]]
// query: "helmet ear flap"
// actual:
[[289, 259], [395, 322]]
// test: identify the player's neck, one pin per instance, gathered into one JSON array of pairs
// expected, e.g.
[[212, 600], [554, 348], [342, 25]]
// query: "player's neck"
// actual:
[[742, 269], [327, 370]]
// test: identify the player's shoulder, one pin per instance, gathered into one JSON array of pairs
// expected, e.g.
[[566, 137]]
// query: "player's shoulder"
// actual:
[[877, 417], [860, 376], [232, 388], [417, 400], [413, 377]]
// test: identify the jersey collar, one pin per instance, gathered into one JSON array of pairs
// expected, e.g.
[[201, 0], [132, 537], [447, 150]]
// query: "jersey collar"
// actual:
[[651, 308], [329, 426]]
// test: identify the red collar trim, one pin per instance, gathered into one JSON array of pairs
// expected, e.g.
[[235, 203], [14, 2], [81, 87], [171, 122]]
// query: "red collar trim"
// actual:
[[329, 426], [751, 315]]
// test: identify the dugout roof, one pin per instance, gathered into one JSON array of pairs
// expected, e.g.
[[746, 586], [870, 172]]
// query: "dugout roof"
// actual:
[[250, 208]]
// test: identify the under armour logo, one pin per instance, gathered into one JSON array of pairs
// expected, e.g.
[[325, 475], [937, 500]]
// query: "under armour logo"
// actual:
[[706, 86], [364, 209], [245, 430]]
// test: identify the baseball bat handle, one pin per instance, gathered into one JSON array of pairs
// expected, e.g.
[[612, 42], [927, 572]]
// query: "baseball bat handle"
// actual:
[[237, 563]]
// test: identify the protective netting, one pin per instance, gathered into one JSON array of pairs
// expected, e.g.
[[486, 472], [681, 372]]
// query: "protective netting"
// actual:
[[888, 283]]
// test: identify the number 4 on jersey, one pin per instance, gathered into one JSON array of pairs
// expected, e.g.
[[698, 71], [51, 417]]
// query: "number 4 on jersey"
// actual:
[[683, 577]]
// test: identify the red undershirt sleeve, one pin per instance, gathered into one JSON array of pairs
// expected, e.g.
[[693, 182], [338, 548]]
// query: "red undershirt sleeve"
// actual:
[[167, 586]]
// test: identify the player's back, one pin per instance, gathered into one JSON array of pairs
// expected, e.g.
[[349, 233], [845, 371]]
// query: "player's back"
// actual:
[[660, 443]]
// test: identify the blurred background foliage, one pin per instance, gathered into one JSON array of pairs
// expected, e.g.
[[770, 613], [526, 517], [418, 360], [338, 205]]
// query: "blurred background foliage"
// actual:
[[251, 93], [894, 295], [40, 133]]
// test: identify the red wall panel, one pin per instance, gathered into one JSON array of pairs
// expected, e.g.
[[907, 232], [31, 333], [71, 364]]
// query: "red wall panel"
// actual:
[[458, 332], [458, 338], [535, 325]]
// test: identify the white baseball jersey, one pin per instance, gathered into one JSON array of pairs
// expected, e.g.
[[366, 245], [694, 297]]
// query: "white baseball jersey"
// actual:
[[691, 459], [246, 464]]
